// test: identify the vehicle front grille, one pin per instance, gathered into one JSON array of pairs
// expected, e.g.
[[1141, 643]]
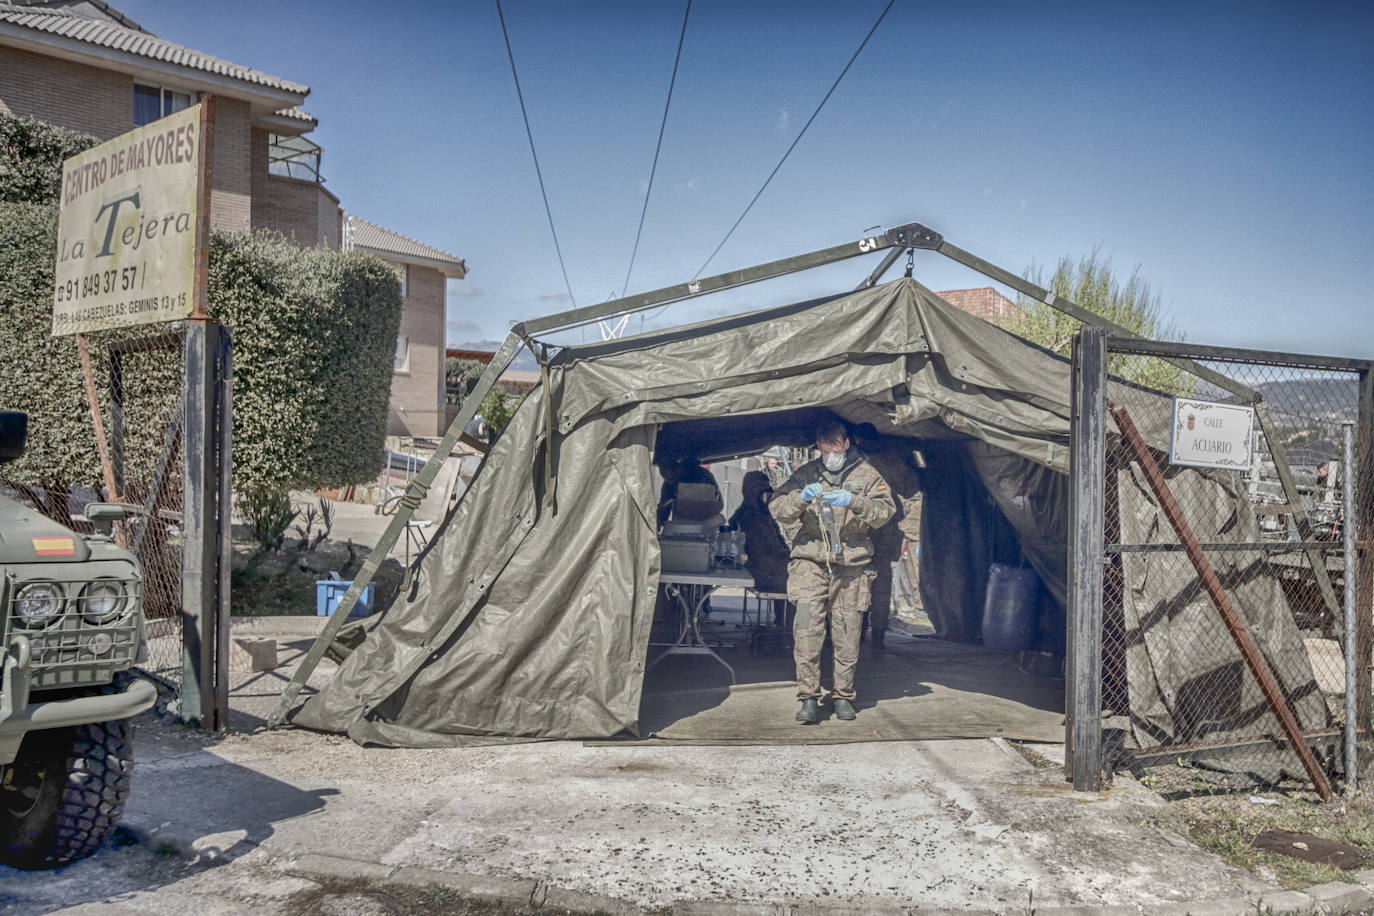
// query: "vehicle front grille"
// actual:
[[71, 649]]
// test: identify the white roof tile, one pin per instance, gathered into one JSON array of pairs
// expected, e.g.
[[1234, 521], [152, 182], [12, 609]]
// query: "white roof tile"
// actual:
[[139, 44], [363, 234]]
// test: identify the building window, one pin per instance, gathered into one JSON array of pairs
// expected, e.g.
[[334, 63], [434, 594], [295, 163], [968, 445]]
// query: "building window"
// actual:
[[153, 102], [402, 354], [293, 157]]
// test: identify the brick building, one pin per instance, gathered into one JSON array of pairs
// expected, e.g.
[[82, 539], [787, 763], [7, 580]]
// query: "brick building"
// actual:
[[84, 65], [983, 301]]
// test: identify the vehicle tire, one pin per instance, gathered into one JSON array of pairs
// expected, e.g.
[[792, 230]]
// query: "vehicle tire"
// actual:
[[65, 793]]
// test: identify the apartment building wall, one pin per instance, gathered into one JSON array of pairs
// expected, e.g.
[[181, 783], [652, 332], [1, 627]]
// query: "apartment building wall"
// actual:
[[101, 103], [416, 398], [231, 175], [298, 209], [88, 99]]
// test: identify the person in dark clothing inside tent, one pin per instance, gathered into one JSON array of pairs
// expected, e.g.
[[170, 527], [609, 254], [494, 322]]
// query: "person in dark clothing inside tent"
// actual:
[[763, 544], [893, 459]]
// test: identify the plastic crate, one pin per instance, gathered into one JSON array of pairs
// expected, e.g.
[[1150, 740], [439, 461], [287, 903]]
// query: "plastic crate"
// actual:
[[329, 592]]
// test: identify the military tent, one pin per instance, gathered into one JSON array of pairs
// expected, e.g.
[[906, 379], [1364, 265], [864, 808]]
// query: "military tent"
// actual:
[[530, 612]]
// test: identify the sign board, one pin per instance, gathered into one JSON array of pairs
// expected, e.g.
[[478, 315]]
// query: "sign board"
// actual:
[[126, 237], [1207, 434]]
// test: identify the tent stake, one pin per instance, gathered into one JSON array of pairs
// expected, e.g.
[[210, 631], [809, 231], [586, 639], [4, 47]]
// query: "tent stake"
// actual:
[[1278, 703]]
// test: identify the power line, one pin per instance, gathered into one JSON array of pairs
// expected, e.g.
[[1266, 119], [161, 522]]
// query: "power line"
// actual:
[[654, 168], [796, 141], [537, 172]]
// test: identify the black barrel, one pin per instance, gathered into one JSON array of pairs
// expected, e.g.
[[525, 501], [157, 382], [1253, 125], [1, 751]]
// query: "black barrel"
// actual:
[[1011, 609]]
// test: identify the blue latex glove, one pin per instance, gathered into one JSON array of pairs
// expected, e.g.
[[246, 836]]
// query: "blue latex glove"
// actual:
[[810, 492], [839, 498]]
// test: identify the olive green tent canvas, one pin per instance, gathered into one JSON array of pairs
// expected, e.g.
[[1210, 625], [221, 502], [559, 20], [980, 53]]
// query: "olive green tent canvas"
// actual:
[[530, 613]]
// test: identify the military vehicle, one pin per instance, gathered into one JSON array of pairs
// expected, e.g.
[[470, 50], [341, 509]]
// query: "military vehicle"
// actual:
[[71, 618]]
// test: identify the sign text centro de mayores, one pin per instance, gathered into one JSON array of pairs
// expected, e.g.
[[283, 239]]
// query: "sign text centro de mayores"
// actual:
[[126, 237], [1207, 434]]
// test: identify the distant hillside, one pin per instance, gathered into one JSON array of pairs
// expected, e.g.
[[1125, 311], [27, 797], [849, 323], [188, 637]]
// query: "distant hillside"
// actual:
[[1300, 402], [1323, 400]]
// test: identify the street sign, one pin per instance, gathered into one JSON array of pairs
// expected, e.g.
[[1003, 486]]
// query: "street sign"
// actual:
[[126, 238], [1208, 434]]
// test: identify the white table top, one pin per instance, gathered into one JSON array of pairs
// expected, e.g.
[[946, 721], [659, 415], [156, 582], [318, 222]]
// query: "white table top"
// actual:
[[739, 578]]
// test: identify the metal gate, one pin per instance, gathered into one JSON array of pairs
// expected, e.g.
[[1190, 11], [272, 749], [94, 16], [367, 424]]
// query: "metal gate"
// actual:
[[145, 416], [1216, 613]]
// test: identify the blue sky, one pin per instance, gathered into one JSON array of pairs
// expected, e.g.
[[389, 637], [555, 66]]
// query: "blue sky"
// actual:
[[1224, 148]]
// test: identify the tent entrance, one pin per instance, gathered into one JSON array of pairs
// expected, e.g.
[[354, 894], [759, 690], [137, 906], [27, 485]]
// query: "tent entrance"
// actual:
[[934, 680]]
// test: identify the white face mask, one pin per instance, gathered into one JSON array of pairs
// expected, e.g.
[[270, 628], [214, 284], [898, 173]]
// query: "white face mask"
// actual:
[[833, 461]]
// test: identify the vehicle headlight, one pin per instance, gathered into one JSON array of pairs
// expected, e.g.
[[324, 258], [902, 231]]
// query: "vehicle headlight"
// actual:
[[103, 601], [38, 603]]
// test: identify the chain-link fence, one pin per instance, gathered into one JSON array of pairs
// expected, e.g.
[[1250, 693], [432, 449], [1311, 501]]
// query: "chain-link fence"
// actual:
[[139, 383], [1225, 570], [145, 417]]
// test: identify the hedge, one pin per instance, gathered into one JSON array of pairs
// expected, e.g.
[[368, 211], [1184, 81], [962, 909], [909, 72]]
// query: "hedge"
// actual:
[[31, 154], [314, 352], [314, 344], [314, 335], [41, 373]]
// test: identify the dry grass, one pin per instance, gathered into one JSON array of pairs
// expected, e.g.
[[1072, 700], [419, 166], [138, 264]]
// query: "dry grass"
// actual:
[[1217, 813]]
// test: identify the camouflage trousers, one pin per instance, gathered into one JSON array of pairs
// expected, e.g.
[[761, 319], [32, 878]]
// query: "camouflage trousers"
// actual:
[[839, 596]]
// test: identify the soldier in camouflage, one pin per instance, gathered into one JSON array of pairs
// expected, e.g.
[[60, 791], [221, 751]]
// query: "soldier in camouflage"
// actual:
[[839, 500]]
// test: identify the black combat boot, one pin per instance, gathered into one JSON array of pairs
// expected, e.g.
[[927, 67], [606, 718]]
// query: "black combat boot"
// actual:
[[810, 712], [878, 638], [845, 709]]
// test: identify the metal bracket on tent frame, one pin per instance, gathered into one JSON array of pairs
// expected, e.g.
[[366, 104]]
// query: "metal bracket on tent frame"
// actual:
[[909, 235]]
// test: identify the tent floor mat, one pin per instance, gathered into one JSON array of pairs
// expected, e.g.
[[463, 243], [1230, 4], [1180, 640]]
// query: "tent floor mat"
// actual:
[[919, 689]]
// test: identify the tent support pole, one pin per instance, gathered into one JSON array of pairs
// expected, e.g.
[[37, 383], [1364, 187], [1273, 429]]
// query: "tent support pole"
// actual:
[[1259, 668], [1249, 395], [408, 503], [888, 260]]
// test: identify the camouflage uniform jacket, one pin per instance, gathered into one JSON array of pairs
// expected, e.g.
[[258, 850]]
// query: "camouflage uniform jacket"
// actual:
[[871, 508]]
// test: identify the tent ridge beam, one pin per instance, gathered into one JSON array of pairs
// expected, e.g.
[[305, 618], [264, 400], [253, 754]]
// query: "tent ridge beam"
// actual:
[[909, 235]]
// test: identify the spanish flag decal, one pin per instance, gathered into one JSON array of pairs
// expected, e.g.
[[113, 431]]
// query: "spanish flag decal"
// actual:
[[54, 547]]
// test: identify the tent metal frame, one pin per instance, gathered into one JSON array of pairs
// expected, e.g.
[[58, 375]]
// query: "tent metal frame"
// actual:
[[905, 238]]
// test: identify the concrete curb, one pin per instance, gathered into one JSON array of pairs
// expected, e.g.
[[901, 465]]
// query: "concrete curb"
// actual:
[[283, 625]]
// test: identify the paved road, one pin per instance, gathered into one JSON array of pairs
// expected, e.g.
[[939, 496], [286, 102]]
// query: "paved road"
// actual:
[[939, 825]]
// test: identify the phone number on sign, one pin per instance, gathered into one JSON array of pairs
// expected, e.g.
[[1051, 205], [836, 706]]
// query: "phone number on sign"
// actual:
[[100, 283]]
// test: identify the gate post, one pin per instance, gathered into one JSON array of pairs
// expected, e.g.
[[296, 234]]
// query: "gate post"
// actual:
[[1364, 548], [205, 516], [1087, 480]]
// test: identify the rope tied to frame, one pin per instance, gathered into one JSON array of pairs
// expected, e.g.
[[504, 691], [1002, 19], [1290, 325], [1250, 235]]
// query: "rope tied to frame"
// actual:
[[414, 495]]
